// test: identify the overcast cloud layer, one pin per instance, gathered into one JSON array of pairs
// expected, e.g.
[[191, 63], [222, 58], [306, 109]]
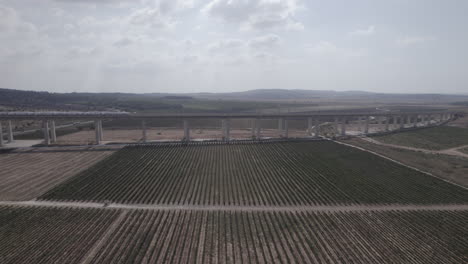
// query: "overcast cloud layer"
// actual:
[[234, 45]]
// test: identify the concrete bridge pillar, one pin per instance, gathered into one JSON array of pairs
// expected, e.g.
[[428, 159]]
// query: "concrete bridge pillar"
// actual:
[[1, 135], [286, 128], [53, 132], [336, 124], [254, 126], [362, 123], [101, 131], [402, 122], [186, 130], [143, 130], [97, 132], [366, 126], [387, 123], [280, 125], [309, 126], [343, 126], [258, 129], [317, 128], [415, 121], [10, 132], [226, 128], [45, 126]]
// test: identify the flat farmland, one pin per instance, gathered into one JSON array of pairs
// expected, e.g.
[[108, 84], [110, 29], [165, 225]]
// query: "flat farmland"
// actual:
[[136, 135], [182, 236], [435, 138], [253, 174], [24, 176], [50, 235]]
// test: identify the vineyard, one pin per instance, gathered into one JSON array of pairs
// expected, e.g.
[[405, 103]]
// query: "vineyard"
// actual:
[[50, 235], [24, 176], [253, 174], [435, 138], [287, 237]]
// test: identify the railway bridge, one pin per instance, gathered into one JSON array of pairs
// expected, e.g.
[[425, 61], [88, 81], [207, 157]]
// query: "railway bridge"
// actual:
[[389, 120]]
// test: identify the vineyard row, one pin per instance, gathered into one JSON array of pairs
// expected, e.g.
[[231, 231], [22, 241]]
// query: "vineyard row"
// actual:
[[264, 174], [52, 235]]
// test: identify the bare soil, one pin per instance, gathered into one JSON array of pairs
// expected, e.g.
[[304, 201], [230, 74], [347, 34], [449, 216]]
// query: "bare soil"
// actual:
[[24, 176], [136, 135]]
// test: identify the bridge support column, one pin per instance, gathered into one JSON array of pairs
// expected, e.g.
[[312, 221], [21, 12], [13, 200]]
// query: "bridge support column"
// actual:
[[343, 126], [97, 131], [1, 135], [309, 126], [226, 127], [101, 131], [387, 123], [361, 123], [254, 126], [10, 132], [336, 125], [366, 127], [286, 128], [45, 126], [143, 130], [53, 132], [258, 129], [317, 128], [280, 125], [186, 131], [402, 122]]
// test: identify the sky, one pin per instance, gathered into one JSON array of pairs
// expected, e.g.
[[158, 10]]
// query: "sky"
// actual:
[[145, 46]]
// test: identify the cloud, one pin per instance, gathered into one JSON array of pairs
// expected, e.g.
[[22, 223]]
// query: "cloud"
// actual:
[[323, 47], [151, 17], [267, 41], [411, 40], [256, 14], [123, 42], [328, 48], [10, 22], [226, 45], [363, 32]]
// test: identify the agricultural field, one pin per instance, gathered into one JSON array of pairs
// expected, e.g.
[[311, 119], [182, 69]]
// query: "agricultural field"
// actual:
[[181, 236], [50, 235], [452, 168], [435, 138], [24, 176], [85, 137], [289, 173]]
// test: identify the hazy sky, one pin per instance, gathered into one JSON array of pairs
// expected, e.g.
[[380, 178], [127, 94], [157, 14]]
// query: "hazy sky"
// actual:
[[234, 45]]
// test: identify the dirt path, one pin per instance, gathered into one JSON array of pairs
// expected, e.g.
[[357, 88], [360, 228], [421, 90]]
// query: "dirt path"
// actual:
[[319, 208], [88, 258], [450, 151]]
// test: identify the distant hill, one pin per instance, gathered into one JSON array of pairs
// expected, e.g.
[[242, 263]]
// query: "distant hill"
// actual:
[[283, 94], [239, 101]]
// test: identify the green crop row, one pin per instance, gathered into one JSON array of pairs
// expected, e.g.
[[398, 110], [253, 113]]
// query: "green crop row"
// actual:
[[264, 174]]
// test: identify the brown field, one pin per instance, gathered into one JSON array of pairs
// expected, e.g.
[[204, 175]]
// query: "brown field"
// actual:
[[460, 122], [135, 135], [24, 176]]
